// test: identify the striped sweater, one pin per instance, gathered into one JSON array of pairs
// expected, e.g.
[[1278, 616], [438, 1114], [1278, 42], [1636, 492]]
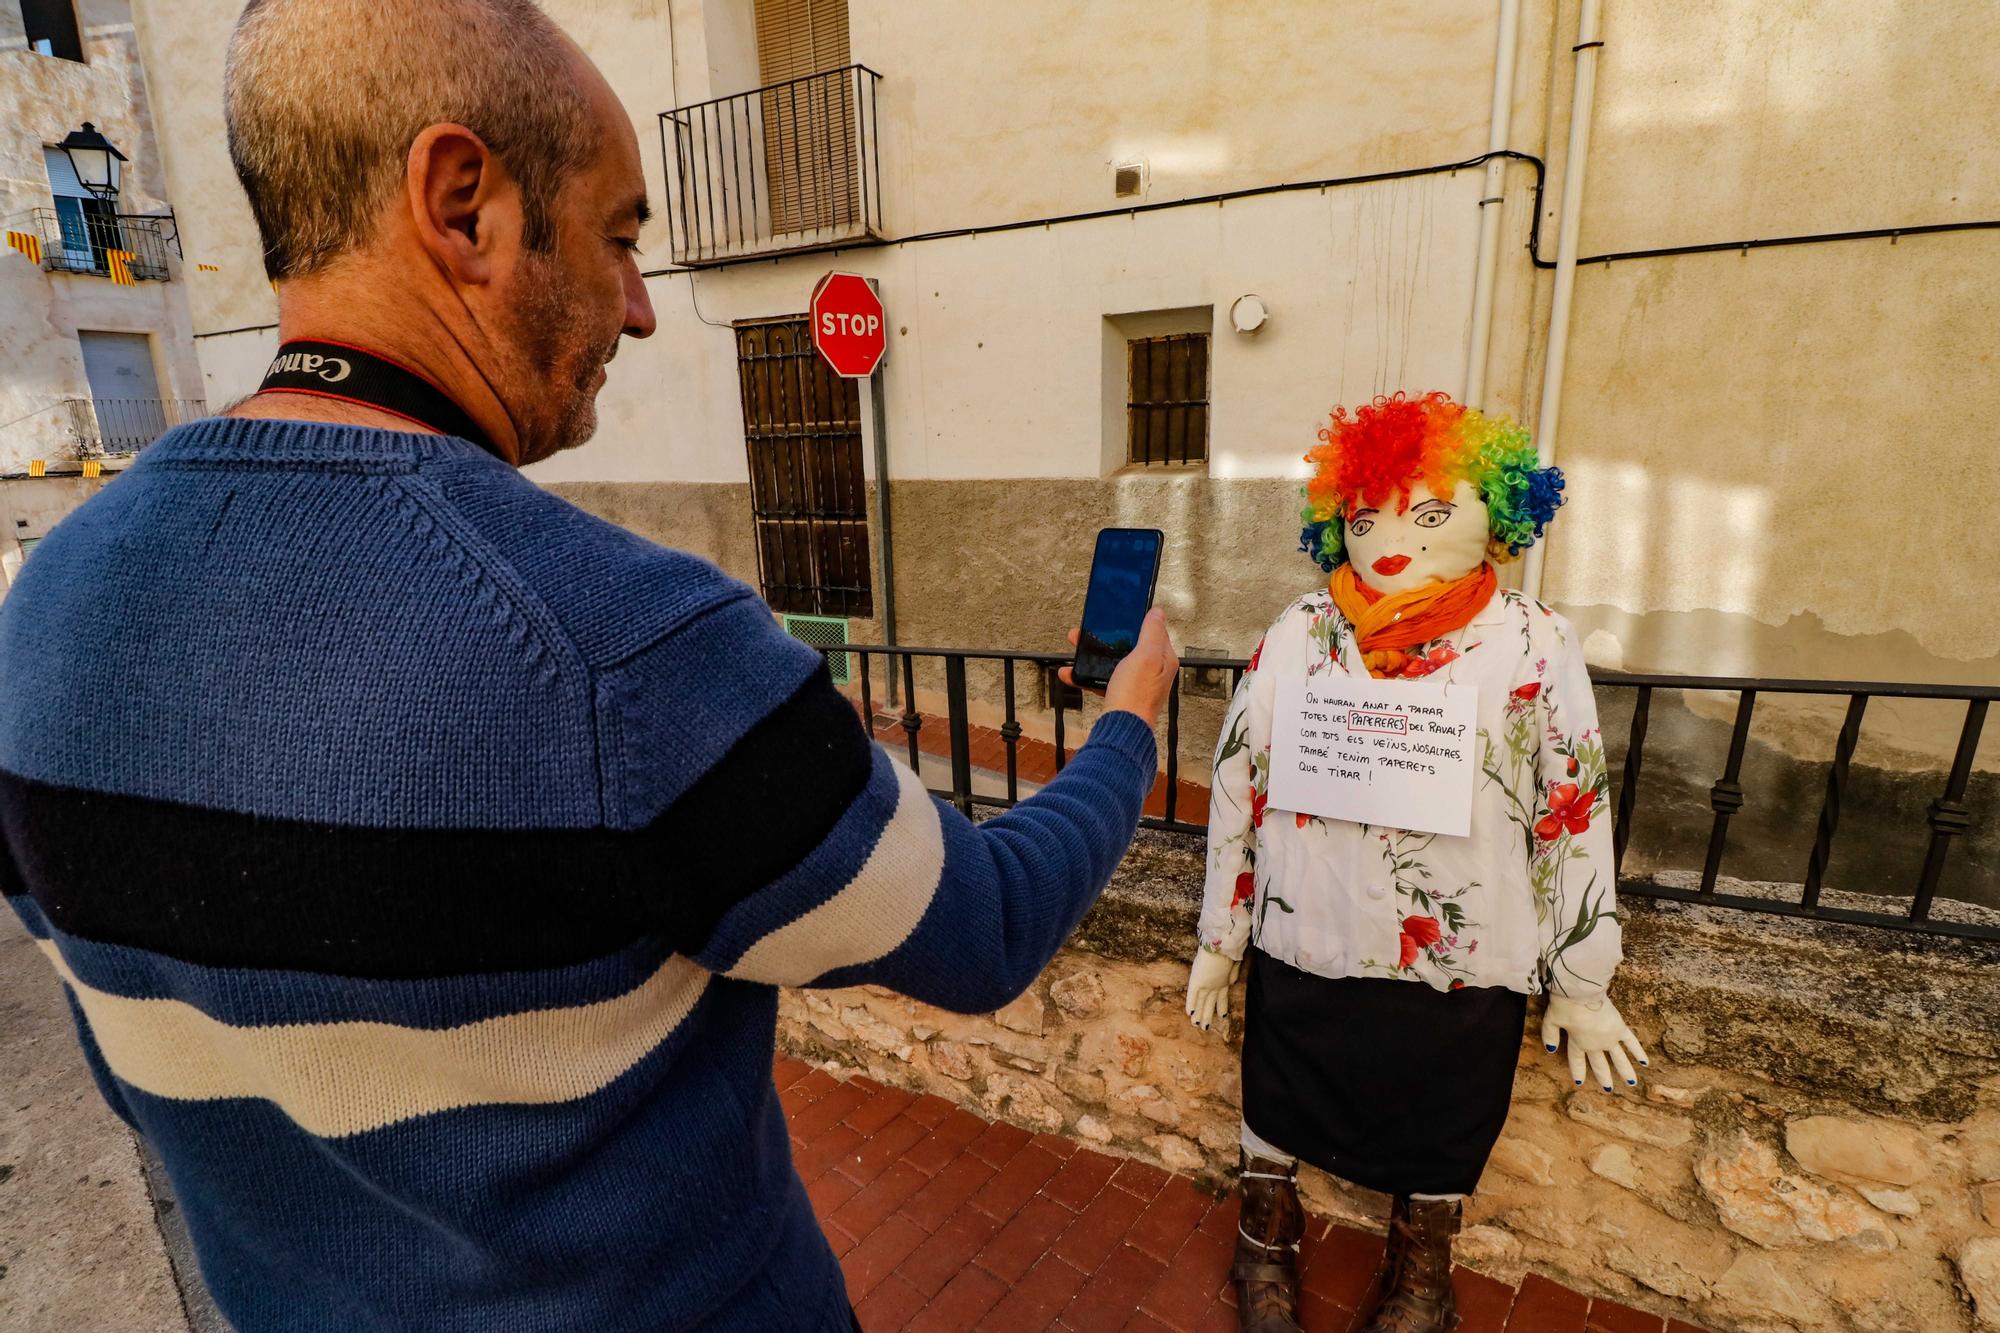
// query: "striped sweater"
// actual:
[[420, 856]]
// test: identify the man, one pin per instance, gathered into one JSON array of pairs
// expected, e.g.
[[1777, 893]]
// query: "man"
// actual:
[[420, 854]]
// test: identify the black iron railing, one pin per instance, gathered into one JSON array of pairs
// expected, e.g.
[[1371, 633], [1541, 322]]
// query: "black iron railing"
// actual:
[[125, 425], [123, 246], [1948, 816], [793, 166]]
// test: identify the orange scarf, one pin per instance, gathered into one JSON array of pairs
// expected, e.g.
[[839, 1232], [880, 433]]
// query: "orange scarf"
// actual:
[[1385, 625]]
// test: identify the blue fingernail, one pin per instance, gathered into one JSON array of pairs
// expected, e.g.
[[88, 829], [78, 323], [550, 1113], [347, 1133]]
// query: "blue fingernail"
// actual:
[[1579, 1083], [1631, 1082], [1551, 1048]]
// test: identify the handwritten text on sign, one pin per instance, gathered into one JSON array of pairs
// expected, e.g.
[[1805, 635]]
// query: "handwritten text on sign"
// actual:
[[1394, 753]]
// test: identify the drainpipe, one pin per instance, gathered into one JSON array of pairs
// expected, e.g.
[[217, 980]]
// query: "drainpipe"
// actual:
[[1486, 266], [1587, 46]]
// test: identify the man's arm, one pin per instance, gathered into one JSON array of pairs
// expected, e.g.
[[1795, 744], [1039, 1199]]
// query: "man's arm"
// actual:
[[804, 855], [954, 913]]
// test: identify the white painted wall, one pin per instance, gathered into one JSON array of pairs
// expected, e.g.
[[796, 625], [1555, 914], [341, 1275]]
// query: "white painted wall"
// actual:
[[42, 98], [995, 363]]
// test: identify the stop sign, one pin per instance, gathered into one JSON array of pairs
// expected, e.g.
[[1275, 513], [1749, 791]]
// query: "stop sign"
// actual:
[[847, 325]]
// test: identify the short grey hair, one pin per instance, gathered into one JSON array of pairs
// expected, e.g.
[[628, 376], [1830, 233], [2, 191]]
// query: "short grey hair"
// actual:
[[323, 99]]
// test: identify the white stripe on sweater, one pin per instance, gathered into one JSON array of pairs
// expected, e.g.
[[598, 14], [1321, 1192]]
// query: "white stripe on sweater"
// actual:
[[874, 912], [343, 1078]]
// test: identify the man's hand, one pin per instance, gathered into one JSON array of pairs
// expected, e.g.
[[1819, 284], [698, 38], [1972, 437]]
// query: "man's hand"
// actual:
[[1597, 1037], [1142, 681]]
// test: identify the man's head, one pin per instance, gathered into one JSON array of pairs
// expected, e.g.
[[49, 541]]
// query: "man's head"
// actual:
[[1417, 490], [456, 166]]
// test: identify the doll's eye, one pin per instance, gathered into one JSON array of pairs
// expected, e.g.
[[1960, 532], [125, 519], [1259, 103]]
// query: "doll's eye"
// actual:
[[1433, 518], [1359, 527]]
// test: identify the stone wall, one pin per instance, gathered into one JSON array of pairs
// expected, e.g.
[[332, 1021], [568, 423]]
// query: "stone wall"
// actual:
[[1817, 1144]]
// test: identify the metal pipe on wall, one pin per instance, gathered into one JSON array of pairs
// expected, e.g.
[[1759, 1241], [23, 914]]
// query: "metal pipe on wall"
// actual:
[[878, 413], [1486, 266], [1570, 218]]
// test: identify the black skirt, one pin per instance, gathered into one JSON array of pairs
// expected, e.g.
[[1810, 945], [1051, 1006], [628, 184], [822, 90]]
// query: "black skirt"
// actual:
[[1393, 1085]]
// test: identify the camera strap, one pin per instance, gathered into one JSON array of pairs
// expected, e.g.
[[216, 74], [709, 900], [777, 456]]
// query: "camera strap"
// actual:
[[353, 375]]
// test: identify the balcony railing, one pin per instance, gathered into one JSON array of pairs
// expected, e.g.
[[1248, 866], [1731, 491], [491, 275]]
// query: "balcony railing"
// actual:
[[123, 246], [1947, 816], [794, 166], [125, 425]]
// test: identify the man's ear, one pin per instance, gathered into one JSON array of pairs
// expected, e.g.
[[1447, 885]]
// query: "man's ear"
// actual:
[[463, 203]]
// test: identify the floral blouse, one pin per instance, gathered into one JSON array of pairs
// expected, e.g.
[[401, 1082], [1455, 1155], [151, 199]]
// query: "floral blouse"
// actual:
[[1526, 901]]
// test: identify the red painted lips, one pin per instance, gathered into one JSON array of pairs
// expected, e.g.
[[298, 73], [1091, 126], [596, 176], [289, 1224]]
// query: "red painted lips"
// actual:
[[1390, 565]]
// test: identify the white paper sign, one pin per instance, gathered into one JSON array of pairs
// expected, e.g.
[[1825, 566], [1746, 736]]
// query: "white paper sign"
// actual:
[[1394, 753]]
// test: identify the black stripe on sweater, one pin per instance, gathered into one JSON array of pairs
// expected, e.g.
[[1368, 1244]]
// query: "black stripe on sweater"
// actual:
[[233, 890]]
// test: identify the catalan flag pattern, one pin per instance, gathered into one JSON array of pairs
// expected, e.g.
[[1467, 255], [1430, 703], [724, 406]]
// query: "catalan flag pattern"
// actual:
[[209, 268], [27, 243], [120, 262]]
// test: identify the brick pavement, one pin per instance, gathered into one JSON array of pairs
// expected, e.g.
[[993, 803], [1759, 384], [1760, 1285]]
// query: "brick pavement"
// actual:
[[944, 1221]]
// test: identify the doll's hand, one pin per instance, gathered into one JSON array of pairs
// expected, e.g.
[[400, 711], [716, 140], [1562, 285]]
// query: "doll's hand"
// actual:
[[1597, 1036], [1209, 979]]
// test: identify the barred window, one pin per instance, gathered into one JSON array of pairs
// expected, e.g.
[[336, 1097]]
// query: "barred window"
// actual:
[[1166, 403]]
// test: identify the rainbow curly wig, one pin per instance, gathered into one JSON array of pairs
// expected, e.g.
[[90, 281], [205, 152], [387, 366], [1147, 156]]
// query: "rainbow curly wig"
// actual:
[[1392, 445]]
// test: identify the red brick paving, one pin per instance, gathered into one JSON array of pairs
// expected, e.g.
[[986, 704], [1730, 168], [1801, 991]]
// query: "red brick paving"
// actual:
[[1607, 1317], [944, 1221], [1549, 1308]]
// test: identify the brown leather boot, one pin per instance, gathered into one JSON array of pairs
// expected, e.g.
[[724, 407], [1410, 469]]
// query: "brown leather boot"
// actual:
[[1266, 1271], [1419, 1297], [1392, 1262]]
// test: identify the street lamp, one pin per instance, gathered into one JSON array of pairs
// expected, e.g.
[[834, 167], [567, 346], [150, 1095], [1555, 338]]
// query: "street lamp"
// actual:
[[95, 160]]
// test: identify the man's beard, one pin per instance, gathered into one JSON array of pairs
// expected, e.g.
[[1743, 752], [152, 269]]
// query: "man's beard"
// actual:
[[554, 335]]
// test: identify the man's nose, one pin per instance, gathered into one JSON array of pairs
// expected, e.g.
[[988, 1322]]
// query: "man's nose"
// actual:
[[639, 318]]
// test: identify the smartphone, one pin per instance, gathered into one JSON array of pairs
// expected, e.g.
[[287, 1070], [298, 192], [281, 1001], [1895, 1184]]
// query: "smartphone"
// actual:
[[1122, 575]]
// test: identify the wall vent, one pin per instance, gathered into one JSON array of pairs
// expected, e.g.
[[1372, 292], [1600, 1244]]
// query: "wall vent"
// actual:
[[1128, 179], [825, 632]]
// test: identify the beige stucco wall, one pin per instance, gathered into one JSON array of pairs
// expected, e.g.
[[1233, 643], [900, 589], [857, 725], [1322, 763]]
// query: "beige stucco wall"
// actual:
[[997, 341], [1773, 454], [999, 112], [29, 507], [1737, 428], [43, 98], [185, 42], [1052, 117]]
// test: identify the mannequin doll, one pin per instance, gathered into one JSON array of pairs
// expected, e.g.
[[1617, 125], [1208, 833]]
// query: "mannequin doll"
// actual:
[[1390, 970]]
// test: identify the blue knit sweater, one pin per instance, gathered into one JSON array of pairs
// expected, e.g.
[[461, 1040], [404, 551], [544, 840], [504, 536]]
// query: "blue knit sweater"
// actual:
[[421, 856]]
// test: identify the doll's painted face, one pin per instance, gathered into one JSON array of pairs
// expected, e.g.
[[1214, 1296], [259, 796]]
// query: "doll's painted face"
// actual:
[[1436, 538]]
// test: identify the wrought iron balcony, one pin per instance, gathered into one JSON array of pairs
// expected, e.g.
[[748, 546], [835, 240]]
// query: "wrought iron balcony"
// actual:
[[125, 425], [795, 166], [122, 246]]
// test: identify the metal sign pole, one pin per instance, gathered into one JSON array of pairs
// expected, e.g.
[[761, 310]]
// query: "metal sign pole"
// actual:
[[887, 557]]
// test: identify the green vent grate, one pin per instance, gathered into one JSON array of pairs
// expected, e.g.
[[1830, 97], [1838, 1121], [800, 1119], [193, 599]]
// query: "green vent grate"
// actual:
[[825, 632]]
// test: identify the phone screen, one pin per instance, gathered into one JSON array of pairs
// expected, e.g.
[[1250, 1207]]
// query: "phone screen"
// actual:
[[1115, 606]]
